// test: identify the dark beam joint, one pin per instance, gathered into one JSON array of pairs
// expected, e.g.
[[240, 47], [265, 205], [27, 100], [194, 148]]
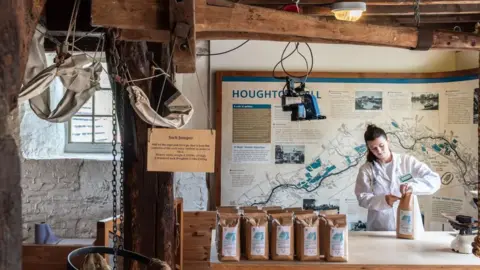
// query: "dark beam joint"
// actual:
[[182, 22], [425, 40]]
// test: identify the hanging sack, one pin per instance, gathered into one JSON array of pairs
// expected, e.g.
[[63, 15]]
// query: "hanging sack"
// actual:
[[405, 216], [282, 236], [256, 235], [228, 235], [307, 237]]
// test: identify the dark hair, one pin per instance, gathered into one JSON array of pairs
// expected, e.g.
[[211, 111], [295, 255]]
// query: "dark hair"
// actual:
[[371, 134]]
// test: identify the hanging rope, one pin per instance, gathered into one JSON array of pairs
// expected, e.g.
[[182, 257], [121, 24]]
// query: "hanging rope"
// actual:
[[165, 80]]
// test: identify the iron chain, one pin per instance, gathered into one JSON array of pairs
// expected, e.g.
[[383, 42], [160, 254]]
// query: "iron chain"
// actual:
[[416, 12], [122, 158], [114, 164], [114, 181]]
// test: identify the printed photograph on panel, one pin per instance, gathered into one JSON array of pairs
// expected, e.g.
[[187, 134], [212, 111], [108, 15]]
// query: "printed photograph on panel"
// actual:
[[289, 154], [425, 101], [368, 100]]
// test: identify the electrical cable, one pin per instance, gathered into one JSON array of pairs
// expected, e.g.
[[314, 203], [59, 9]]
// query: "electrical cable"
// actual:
[[231, 50], [283, 57]]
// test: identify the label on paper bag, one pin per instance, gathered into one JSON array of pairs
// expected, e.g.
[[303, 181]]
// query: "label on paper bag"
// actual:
[[337, 242], [406, 222], [229, 243], [283, 240], [258, 241], [310, 241]]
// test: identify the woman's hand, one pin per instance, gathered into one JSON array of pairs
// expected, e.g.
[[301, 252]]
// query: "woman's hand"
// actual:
[[404, 188], [391, 199]]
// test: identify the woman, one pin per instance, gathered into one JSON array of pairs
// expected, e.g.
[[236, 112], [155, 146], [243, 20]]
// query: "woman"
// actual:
[[383, 179]]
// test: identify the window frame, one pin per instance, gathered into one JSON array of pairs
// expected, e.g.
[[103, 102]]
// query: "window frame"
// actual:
[[91, 147]]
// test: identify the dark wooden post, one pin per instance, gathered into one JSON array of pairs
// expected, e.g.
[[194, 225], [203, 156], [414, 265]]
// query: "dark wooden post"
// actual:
[[149, 200], [18, 20], [165, 245]]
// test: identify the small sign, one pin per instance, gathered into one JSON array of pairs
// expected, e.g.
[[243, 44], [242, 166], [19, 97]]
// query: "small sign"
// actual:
[[405, 178], [181, 150]]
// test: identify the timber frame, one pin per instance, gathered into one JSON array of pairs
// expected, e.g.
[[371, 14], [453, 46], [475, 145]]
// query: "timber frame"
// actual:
[[176, 24], [222, 19]]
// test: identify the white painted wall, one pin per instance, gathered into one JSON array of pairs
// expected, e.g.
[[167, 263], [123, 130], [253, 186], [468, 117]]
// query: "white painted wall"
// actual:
[[192, 187], [263, 55], [466, 60]]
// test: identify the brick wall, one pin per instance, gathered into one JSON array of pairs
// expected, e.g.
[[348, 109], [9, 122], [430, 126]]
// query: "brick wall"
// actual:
[[70, 195]]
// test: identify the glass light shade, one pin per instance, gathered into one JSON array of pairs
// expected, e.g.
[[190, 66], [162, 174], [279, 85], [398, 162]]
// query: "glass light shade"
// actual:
[[348, 11], [348, 15]]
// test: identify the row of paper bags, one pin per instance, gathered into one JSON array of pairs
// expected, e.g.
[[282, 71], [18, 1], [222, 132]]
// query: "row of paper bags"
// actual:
[[280, 234]]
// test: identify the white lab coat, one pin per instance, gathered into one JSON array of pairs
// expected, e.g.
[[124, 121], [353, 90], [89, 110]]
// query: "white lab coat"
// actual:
[[373, 184]]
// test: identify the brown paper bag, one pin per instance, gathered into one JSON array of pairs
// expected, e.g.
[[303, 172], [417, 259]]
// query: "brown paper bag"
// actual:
[[405, 217], [267, 208], [293, 209], [329, 212], [336, 238], [242, 229], [246, 208], [256, 235], [274, 211], [323, 228], [301, 212], [307, 237], [227, 209], [282, 236], [228, 237]]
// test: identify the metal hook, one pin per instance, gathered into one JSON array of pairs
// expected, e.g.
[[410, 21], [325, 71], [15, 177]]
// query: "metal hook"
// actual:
[[457, 28], [296, 3]]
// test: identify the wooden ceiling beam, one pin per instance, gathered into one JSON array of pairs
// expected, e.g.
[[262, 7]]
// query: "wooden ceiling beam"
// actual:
[[146, 35], [368, 2], [437, 19], [224, 22], [401, 10], [132, 14], [430, 21], [243, 18]]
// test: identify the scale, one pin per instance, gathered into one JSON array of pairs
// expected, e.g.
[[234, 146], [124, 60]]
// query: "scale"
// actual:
[[467, 228]]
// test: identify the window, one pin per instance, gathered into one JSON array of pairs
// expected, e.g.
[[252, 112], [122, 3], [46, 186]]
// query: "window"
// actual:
[[90, 129]]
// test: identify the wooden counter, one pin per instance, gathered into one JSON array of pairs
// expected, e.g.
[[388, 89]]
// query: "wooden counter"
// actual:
[[373, 250]]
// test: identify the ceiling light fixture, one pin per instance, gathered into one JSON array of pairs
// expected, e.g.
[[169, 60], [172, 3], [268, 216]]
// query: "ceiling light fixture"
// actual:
[[348, 11]]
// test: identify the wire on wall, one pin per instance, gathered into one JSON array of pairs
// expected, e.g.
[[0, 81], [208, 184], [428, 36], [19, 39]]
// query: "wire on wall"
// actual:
[[225, 52]]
